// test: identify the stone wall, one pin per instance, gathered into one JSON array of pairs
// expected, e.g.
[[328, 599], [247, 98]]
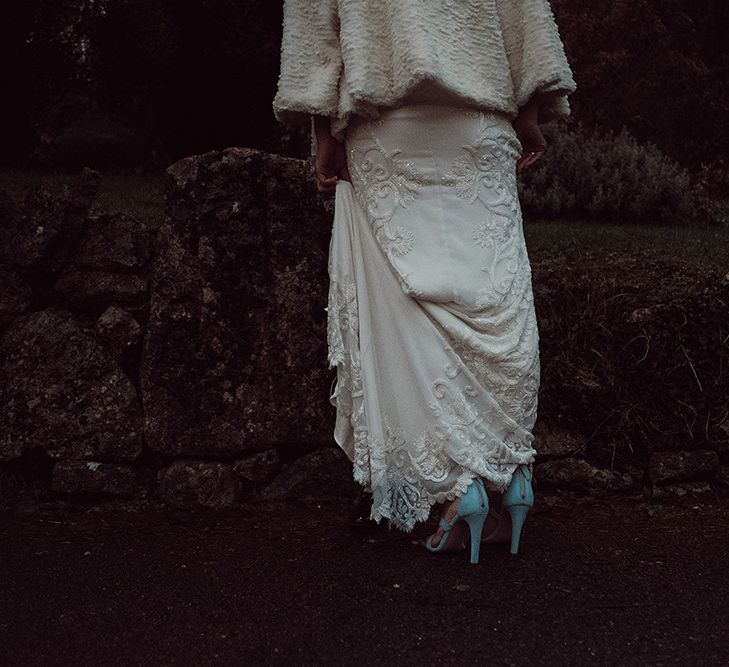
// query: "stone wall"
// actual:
[[187, 363]]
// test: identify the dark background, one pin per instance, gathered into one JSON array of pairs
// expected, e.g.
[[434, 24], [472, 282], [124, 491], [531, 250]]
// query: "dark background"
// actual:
[[144, 82]]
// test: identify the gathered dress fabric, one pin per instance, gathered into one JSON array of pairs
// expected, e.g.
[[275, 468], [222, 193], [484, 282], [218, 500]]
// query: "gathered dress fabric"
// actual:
[[431, 319]]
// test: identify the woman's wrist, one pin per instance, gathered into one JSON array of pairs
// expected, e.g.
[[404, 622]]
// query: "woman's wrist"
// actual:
[[322, 126], [530, 111]]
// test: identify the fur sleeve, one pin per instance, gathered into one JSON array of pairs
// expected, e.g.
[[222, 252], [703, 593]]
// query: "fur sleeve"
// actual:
[[311, 61], [536, 56]]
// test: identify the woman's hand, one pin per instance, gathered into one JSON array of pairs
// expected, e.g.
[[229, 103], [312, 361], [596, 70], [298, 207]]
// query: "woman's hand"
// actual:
[[331, 157], [526, 125]]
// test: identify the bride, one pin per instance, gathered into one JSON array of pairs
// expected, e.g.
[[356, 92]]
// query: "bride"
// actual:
[[422, 114]]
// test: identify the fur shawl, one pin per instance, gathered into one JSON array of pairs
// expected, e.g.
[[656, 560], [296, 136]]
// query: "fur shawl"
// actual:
[[348, 57]]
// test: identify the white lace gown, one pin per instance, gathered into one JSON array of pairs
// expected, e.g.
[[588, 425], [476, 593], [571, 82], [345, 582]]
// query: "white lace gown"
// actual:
[[431, 319]]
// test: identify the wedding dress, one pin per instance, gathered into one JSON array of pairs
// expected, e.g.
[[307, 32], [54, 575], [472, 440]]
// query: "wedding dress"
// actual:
[[431, 319]]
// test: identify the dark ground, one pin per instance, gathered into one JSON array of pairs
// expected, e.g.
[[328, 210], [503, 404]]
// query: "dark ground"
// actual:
[[619, 581]]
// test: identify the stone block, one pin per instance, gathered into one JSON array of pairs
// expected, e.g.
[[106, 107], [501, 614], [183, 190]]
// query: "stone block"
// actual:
[[323, 473], [258, 467], [187, 483], [96, 290], [681, 466], [579, 475], [15, 295], [235, 353], [551, 441], [60, 390], [37, 239], [94, 477], [682, 490], [115, 243], [119, 331]]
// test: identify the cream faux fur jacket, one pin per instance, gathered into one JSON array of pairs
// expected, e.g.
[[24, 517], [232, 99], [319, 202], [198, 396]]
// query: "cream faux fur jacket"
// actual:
[[348, 57]]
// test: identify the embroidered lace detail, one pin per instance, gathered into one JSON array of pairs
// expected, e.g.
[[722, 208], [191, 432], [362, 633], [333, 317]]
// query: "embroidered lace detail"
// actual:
[[394, 469], [342, 319], [486, 162], [400, 472], [486, 173], [384, 184], [468, 421], [491, 233], [401, 240], [481, 408]]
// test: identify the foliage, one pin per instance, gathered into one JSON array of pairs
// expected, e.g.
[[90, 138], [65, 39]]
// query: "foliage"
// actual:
[[191, 75], [610, 175], [186, 75], [658, 67], [632, 343], [200, 74], [45, 48]]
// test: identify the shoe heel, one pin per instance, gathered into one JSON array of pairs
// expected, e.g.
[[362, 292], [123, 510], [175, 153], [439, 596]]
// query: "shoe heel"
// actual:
[[518, 515], [475, 523]]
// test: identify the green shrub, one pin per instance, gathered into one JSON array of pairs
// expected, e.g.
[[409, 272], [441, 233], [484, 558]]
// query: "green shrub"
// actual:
[[608, 176]]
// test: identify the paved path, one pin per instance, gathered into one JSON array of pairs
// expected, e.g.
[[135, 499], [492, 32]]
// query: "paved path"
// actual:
[[597, 582]]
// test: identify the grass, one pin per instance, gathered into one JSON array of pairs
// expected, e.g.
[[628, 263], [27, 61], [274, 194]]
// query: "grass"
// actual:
[[143, 196], [708, 246]]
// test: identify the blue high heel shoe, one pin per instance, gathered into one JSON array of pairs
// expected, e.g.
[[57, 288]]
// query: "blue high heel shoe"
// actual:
[[518, 500], [473, 509]]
